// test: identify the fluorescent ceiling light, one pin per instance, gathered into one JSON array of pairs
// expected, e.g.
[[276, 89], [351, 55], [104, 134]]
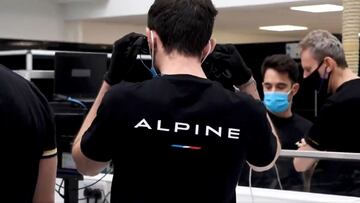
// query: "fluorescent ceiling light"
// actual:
[[321, 8], [282, 28]]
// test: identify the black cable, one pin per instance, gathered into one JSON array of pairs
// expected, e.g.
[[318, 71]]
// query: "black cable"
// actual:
[[62, 195], [106, 173], [95, 181], [103, 193], [58, 190], [105, 197]]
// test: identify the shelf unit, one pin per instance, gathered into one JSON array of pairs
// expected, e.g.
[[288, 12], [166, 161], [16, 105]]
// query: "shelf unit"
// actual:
[[29, 70]]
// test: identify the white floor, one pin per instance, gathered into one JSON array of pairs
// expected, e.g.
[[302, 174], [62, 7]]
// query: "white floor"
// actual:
[[244, 194], [104, 185]]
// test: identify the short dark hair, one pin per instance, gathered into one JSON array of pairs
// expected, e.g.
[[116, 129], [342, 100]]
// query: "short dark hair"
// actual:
[[283, 64], [183, 25]]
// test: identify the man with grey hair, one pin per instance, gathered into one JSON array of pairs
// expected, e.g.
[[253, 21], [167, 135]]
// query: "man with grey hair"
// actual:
[[335, 128]]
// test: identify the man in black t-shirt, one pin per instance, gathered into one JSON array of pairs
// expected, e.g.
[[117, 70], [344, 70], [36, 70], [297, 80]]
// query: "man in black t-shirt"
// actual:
[[178, 137], [280, 85], [29, 169], [335, 128]]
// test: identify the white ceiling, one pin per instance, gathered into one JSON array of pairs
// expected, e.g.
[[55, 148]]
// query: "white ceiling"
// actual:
[[241, 23], [245, 21], [73, 1]]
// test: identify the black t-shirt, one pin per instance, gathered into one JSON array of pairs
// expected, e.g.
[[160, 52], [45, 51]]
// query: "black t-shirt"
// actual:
[[290, 130], [336, 129], [178, 138], [27, 128]]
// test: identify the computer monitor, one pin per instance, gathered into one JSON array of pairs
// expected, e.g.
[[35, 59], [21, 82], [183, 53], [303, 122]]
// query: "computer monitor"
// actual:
[[79, 75]]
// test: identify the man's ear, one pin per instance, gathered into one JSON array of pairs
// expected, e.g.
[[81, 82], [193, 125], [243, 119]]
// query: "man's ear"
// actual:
[[147, 33], [295, 88], [152, 37], [330, 64], [148, 36], [208, 49], [212, 44]]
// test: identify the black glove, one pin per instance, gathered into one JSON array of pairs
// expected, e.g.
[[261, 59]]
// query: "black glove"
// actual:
[[123, 64], [226, 66]]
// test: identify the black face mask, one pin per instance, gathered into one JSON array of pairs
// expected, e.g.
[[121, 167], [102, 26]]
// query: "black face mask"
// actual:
[[316, 83]]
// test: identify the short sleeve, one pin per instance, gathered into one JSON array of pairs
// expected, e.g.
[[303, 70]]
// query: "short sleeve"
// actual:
[[96, 142], [49, 144], [262, 142], [46, 127]]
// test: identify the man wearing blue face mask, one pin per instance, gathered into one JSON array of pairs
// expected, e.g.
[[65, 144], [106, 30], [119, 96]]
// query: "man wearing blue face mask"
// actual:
[[280, 84], [335, 128]]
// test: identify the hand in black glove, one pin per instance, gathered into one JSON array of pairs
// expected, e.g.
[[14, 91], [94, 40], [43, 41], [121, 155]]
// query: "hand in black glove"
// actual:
[[226, 66], [123, 60]]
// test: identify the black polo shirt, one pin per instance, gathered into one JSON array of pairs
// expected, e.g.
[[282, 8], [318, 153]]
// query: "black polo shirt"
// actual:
[[290, 130], [337, 129], [178, 138], [27, 129]]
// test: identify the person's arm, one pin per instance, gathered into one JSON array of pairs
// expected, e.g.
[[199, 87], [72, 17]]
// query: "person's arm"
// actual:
[[85, 165], [250, 88], [45, 185], [277, 153], [47, 165], [318, 137], [91, 152], [304, 164], [264, 145]]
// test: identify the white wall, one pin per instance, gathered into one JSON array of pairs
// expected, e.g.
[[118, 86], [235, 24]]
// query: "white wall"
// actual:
[[117, 8], [107, 33], [242, 38], [44, 20], [31, 19]]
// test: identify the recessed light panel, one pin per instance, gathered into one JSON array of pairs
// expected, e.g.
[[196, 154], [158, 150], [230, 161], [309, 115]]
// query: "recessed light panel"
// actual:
[[283, 28], [321, 8]]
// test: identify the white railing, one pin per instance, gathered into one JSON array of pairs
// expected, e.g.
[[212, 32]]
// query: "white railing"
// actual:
[[345, 156]]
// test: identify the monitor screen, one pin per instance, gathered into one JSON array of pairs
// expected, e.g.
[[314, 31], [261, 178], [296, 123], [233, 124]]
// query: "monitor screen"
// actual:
[[79, 75]]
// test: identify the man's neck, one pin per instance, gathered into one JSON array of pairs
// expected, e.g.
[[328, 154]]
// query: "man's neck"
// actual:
[[175, 63], [285, 114], [340, 77]]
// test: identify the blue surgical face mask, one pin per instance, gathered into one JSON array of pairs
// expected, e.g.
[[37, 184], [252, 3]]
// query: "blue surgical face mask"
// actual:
[[276, 102]]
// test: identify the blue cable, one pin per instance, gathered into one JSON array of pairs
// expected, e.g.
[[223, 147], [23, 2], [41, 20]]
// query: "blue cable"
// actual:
[[152, 69], [70, 99]]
